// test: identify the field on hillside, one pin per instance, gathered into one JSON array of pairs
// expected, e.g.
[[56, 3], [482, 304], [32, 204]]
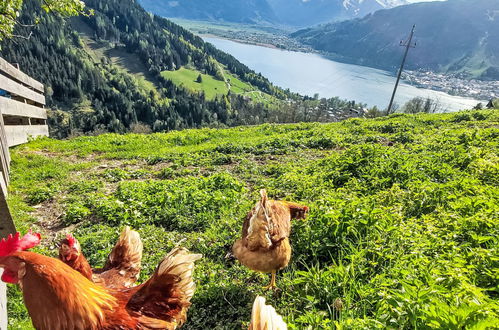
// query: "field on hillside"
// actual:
[[213, 87], [187, 77], [402, 233]]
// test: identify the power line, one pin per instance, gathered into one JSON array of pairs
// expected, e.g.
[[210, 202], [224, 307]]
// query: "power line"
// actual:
[[408, 44]]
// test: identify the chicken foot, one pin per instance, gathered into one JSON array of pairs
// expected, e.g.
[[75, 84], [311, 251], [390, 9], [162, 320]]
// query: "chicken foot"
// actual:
[[272, 284]]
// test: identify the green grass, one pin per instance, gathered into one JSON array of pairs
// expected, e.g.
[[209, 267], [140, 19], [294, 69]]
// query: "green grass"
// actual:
[[402, 233], [213, 87], [187, 78]]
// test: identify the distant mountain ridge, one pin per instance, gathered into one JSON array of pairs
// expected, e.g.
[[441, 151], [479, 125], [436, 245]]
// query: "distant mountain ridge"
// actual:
[[298, 13], [451, 36], [306, 13], [241, 11]]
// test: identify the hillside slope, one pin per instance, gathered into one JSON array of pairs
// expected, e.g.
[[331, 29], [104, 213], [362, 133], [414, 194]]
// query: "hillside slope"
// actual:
[[106, 71], [451, 36], [403, 230]]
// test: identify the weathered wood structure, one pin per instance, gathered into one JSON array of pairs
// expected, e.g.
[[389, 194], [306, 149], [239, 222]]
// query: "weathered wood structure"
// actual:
[[22, 115]]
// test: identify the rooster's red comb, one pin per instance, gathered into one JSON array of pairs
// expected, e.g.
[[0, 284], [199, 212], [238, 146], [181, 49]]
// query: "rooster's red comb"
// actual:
[[17, 243], [71, 240]]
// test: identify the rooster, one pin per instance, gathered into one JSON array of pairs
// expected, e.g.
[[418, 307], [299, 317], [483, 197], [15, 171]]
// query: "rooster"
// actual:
[[264, 245], [59, 297], [122, 267], [264, 317]]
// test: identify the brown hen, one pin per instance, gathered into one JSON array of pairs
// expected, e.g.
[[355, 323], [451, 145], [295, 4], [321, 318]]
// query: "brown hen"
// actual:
[[58, 297], [264, 245], [123, 264]]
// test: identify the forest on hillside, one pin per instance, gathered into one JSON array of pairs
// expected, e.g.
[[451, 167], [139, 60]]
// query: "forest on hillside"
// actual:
[[90, 95]]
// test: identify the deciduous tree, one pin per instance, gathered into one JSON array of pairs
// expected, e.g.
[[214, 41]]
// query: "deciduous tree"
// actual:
[[10, 11]]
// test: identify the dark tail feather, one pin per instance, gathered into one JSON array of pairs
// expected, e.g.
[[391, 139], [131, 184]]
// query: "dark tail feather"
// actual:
[[298, 211]]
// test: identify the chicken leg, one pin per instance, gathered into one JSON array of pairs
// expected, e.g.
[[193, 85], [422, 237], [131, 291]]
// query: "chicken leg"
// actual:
[[272, 284]]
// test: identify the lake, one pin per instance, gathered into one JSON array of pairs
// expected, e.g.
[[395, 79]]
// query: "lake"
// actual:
[[308, 73]]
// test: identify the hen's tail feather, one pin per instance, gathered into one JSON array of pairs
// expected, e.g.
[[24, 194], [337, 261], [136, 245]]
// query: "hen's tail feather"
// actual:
[[298, 211], [265, 317], [127, 253], [179, 262], [165, 297]]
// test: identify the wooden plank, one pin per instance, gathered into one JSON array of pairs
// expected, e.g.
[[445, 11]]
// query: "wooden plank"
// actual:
[[4, 167], [19, 134], [6, 227], [3, 142], [15, 88], [20, 76], [15, 108], [5, 163], [3, 304], [6, 222], [3, 190]]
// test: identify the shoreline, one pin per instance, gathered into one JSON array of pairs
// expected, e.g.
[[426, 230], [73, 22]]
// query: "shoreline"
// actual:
[[241, 41]]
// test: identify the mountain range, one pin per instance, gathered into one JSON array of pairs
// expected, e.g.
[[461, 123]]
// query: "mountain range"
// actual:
[[301, 13], [297, 13], [240, 11], [451, 36]]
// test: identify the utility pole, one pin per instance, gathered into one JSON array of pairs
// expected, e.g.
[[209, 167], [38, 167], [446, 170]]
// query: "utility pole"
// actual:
[[407, 44]]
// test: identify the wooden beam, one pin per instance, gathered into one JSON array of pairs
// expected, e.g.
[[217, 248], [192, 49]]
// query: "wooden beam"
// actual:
[[6, 223], [15, 108], [5, 168], [20, 76], [19, 134], [6, 227], [15, 88], [3, 304], [27, 90], [4, 152]]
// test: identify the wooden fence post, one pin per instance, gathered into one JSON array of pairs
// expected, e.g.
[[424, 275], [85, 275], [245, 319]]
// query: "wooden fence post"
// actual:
[[3, 305], [22, 116]]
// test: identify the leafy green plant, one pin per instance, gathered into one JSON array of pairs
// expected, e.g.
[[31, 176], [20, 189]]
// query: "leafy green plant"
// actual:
[[41, 194], [75, 212]]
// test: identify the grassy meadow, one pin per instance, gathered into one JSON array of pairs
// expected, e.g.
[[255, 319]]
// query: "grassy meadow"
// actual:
[[187, 78], [213, 87], [402, 233]]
